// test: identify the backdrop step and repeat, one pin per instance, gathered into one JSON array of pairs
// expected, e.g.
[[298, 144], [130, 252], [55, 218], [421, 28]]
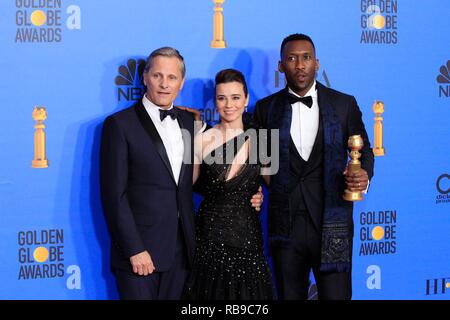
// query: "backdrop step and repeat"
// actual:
[[67, 64]]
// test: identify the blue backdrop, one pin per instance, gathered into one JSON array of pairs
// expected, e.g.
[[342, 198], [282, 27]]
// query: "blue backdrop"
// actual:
[[80, 60]]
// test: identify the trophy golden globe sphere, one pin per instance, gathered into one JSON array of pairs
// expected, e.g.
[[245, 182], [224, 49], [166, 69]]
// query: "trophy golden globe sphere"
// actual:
[[39, 113], [378, 107]]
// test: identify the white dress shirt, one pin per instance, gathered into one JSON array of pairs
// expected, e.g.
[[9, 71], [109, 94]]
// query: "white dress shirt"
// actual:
[[305, 123], [170, 133]]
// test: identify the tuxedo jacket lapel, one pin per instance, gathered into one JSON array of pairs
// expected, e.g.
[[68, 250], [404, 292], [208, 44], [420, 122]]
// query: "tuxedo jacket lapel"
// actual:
[[184, 122], [334, 152], [297, 163], [331, 126], [148, 125]]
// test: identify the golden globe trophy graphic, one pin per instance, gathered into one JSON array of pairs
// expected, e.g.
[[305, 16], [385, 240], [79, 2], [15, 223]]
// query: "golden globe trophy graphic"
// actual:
[[218, 41], [378, 109], [39, 161], [355, 143]]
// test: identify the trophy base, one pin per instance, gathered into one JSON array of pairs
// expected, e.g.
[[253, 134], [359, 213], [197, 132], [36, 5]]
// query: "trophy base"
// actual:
[[218, 44], [39, 164], [378, 151], [352, 195]]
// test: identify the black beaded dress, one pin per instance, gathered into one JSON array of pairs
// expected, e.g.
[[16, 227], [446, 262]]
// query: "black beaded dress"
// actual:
[[229, 263]]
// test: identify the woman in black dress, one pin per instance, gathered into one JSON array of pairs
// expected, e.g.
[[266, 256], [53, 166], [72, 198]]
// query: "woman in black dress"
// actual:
[[229, 263]]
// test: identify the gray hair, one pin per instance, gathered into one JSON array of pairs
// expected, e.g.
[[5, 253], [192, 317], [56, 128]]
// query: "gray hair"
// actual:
[[165, 52]]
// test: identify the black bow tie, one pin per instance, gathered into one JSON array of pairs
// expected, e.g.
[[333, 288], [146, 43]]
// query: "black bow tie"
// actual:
[[308, 101], [173, 113]]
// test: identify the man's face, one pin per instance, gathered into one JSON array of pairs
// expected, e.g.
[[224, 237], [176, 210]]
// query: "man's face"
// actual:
[[163, 81], [299, 64]]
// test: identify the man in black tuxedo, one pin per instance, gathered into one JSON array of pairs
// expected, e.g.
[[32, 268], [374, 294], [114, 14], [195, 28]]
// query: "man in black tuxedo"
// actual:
[[146, 186], [146, 162], [310, 226]]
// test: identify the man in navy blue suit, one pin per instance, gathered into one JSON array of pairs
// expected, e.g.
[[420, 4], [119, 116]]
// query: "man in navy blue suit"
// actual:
[[310, 225], [146, 185]]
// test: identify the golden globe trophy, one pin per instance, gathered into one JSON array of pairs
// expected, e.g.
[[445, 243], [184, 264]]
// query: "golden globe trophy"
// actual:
[[39, 161], [218, 41], [378, 109], [355, 143]]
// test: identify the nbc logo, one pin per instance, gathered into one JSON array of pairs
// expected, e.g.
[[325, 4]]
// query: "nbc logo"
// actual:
[[444, 80], [129, 80]]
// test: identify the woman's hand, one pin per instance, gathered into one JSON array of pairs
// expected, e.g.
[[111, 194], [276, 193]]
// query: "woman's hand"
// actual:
[[196, 112], [257, 199]]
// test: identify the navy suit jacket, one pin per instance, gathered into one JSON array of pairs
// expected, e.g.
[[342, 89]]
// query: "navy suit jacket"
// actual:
[[140, 197], [340, 109]]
